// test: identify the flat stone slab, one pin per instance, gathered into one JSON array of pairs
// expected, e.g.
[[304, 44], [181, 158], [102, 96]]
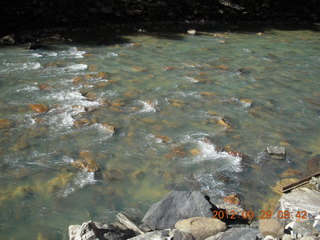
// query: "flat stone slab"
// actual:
[[236, 234]]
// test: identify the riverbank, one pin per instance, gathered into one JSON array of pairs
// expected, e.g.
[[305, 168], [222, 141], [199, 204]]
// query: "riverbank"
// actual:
[[183, 215]]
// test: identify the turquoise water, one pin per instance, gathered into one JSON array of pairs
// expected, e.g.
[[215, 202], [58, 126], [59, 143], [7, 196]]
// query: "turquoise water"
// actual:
[[178, 104]]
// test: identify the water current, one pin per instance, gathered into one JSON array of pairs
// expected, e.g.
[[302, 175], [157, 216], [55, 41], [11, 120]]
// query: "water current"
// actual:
[[87, 130]]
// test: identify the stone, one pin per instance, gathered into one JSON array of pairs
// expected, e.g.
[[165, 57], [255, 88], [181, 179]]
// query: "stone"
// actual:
[[246, 102], [178, 205], [92, 230], [301, 203], [113, 175], [129, 223], [222, 67], [76, 79], [192, 32], [44, 87], [200, 227], [282, 183], [109, 127], [156, 235], [236, 234], [40, 108], [232, 199], [271, 227], [304, 228], [5, 123], [88, 163], [179, 235], [313, 164], [223, 122], [7, 40], [276, 152]]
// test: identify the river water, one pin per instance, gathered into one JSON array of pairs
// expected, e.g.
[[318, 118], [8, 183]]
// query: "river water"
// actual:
[[181, 106]]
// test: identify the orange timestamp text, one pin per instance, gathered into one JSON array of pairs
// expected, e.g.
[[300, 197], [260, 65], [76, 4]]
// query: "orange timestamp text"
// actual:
[[221, 214]]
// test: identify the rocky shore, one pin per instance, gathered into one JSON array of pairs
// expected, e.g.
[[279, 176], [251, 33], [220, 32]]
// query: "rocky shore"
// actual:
[[184, 215]]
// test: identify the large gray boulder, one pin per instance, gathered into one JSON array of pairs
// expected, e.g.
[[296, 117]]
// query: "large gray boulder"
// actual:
[[176, 206]]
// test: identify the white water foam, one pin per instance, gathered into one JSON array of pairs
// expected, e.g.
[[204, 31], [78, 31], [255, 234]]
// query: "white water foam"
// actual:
[[76, 67], [148, 107], [28, 89], [13, 67], [72, 52], [208, 152], [82, 179], [191, 79]]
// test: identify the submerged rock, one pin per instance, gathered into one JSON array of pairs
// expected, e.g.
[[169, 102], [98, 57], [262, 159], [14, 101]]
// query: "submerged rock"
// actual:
[[276, 152], [88, 163], [200, 227], [177, 205], [5, 123], [113, 175], [109, 127], [40, 108]]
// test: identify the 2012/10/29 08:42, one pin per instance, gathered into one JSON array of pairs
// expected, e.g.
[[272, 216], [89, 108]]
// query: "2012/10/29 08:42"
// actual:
[[221, 214]]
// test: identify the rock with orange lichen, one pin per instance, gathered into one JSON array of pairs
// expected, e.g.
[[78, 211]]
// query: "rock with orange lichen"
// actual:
[[232, 199], [5, 123], [40, 108]]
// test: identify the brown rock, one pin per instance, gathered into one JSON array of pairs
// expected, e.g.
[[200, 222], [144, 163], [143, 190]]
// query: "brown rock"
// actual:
[[5, 123], [81, 122], [76, 79], [195, 152], [208, 94], [223, 122], [44, 87], [201, 228], [169, 68], [232, 199], [109, 127], [314, 164], [101, 84], [222, 67], [271, 227], [102, 75], [164, 139], [290, 172], [40, 108], [113, 175], [87, 163]]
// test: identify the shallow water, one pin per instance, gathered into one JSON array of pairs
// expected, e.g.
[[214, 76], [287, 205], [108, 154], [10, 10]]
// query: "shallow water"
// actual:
[[166, 97]]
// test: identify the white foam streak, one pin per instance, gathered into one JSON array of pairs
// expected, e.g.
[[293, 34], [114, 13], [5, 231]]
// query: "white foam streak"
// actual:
[[148, 107]]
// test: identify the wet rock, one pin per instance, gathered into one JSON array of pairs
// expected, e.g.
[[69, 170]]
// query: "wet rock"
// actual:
[[313, 164], [195, 152], [177, 205], [76, 79], [60, 181], [34, 46], [5, 123], [156, 235], [88, 163], [222, 67], [139, 69], [169, 68], [40, 108], [192, 32], [109, 127], [101, 75], [290, 172], [164, 139], [271, 227], [7, 40], [276, 152], [236, 234], [232, 199], [114, 175], [305, 229], [21, 144], [101, 84], [223, 122], [282, 183], [246, 102], [82, 122], [201, 228], [208, 94], [44, 87]]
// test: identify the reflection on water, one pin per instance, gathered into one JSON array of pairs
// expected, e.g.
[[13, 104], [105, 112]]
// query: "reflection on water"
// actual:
[[117, 127]]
